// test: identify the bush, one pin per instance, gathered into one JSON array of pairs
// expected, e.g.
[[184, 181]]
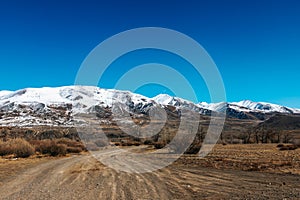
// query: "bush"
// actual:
[[193, 149], [71, 144], [117, 143], [288, 147], [130, 143], [50, 147], [148, 142], [5, 149], [136, 144], [57, 146], [21, 148], [284, 148], [159, 145], [18, 147], [280, 145], [74, 149], [42, 146], [58, 149]]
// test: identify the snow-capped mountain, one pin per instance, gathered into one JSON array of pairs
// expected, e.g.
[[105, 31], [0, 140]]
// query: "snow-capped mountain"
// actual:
[[179, 103], [250, 106], [262, 106], [234, 108], [57, 106]]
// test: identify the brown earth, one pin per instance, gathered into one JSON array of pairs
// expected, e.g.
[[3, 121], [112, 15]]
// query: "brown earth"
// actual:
[[221, 175]]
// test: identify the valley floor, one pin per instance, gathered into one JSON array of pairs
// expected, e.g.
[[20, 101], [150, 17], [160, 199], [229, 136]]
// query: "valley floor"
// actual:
[[83, 177]]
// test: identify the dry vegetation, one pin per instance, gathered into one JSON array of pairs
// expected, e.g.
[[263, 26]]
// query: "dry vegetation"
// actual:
[[228, 172], [241, 155], [21, 148], [56, 141], [17, 147], [248, 157]]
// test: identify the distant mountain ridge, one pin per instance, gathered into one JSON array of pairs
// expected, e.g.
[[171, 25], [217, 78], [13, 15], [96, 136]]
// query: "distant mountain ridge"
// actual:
[[55, 106]]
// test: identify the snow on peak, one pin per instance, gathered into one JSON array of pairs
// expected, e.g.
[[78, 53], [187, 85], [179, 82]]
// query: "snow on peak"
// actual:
[[4, 93], [87, 95], [218, 107], [262, 106], [45, 95], [163, 99], [83, 97]]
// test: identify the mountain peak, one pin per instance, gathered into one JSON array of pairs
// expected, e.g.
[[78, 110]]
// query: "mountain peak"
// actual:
[[35, 105], [163, 98]]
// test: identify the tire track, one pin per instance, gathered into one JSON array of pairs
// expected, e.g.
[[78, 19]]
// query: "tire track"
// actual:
[[84, 177]]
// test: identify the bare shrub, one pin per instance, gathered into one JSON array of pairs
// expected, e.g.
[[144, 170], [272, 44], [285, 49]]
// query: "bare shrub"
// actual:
[[136, 144], [130, 143], [71, 143], [18, 147], [5, 148], [41, 146], [284, 148], [67, 142], [50, 147], [279, 145], [288, 147], [293, 147], [148, 142], [22, 148], [74, 150], [58, 149], [117, 143], [159, 145], [194, 148]]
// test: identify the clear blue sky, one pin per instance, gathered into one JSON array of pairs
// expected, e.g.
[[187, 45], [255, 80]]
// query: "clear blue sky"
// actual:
[[255, 44]]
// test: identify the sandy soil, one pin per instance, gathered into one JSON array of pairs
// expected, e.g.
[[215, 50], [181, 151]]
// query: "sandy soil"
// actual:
[[83, 177]]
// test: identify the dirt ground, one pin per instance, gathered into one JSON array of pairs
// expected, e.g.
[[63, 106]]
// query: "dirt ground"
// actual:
[[229, 172], [249, 157]]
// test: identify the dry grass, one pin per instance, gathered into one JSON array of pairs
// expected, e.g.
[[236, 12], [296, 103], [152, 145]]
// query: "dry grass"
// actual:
[[19, 148], [57, 147], [49, 147], [74, 150], [71, 145], [248, 157]]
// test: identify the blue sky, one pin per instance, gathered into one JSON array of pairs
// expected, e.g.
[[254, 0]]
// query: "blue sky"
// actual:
[[255, 44]]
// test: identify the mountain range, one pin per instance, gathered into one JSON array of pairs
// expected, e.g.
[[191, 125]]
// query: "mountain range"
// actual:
[[56, 106]]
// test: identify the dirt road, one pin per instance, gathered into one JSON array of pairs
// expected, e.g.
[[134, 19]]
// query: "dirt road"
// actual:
[[83, 177]]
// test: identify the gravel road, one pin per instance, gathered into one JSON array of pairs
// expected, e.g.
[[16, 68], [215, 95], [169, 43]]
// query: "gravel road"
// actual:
[[83, 177]]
